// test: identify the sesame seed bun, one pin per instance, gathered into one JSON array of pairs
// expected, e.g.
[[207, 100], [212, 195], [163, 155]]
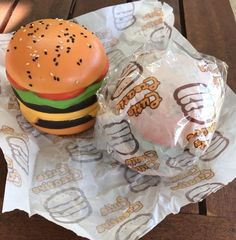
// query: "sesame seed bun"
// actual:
[[54, 56]]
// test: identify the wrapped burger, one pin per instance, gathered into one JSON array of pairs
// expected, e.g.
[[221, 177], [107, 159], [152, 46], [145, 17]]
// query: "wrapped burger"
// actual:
[[161, 101]]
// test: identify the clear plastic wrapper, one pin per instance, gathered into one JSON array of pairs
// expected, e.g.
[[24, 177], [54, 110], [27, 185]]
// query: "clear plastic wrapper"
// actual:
[[161, 100], [70, 182]]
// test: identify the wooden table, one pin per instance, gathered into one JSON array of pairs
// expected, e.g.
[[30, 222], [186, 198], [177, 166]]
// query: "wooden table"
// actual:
[[210, 26]]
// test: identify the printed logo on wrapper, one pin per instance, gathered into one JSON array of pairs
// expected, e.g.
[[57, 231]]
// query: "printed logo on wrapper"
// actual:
[[218, 145], [138, 182], [12, 103], [181, 160], [12, 175], [186, 159], [130, 74], [120, 138], [83, 151], [123, 16], [191, 97], [190, 178], [201, 137], [116, 57], [120, 204], [149, 160], [108, 40], [161, 36], [68, 206], [200, 192], [55, 178], [20, 152], [135, 227]]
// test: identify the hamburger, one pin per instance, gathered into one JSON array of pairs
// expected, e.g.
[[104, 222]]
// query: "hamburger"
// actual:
[[55, 68]]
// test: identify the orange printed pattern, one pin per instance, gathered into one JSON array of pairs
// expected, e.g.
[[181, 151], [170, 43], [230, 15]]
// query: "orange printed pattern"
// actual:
[[192, 177], [150, 83], [120, 204], [145, 162], [198, 133], [151, 100], [12, 176]]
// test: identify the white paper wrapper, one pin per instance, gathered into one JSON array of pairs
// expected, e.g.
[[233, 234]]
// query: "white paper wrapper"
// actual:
[[68, 181]]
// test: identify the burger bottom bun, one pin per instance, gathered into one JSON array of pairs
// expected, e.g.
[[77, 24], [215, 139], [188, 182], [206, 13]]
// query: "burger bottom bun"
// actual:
[[67, 131]]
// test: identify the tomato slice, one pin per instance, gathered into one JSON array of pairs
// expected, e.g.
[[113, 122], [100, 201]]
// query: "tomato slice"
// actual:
[[61, 96], [58, 96], [13, 83]]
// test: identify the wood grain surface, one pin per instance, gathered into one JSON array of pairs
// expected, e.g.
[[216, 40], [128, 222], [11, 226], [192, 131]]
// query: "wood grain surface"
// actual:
[[85, 6], [174, 227], [30, 10], [6, 9]]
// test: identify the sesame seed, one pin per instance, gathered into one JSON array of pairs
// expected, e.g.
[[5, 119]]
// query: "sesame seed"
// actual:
[[58, 79], [85, 36], [24, 30], [34, 41], [15, 47], [54, 59], [54, 78], [51, 74], [78, 63], [77, 82], [56, 63], [60, 23], [80, 60], [60, 42], [68, 40], [59, 36], [35, 51], [42, 35], [58, 55], [90, 46], [31, 27], [20, 39], [28, 71], [30, 77], [57, 46], [30, 85], [56, 50], [61, 47], [8, 50], [38, 40], [81, 33], [29, 47], [27, 64], [67, 29], [67, 51], [38, 65]]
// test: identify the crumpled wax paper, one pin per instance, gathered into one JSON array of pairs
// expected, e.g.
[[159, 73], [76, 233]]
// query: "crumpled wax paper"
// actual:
[[69, 182]]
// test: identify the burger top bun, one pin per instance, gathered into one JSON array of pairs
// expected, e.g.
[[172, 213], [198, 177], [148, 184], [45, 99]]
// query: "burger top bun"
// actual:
[[54, 56]]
